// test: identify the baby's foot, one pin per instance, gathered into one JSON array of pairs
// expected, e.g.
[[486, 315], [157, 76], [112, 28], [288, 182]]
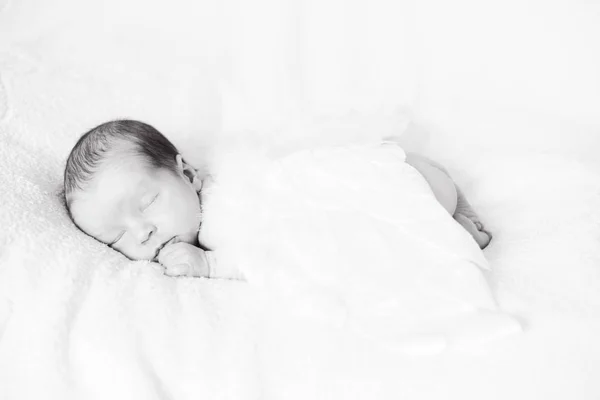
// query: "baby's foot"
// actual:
[[468, 218], [475, 228]]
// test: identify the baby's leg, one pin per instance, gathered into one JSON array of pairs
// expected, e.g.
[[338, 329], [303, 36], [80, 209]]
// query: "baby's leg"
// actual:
[[450, 196]]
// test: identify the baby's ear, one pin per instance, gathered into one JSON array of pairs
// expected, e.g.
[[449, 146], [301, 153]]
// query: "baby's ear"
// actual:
[[189, 172]]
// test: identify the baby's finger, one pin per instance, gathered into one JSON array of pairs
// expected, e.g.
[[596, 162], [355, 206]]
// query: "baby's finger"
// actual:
[[177, 257], [168, 253], [169, 249], [164, 256], [177, 270]]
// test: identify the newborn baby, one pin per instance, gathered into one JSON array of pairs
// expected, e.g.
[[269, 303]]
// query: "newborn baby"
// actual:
[[127, 186]]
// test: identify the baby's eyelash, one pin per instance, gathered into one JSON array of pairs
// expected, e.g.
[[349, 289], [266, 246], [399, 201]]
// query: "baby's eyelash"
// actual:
[[117, 239]]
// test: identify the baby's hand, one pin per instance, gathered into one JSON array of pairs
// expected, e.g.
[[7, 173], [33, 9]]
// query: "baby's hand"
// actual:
[[184, 259]]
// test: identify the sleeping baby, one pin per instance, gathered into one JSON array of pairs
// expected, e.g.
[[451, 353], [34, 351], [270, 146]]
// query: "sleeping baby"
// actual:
[[128, 186]]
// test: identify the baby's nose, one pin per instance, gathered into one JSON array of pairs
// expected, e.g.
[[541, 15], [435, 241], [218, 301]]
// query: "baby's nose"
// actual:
[[146, 232]]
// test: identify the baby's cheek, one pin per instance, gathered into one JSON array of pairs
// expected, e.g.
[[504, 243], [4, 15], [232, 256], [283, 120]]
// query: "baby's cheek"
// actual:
[[183, 219], [130, 252]]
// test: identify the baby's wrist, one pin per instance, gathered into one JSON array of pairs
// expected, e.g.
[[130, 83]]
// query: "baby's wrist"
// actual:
[[210, 263], [199, 267]]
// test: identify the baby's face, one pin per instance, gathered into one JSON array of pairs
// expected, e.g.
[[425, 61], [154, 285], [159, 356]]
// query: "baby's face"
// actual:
[[136, 209]]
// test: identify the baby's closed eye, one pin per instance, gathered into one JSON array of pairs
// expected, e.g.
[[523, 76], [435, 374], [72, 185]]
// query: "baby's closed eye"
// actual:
[[147, 201], [119, 236]]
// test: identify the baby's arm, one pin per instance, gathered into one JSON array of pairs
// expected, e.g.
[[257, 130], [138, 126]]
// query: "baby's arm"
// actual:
[[184, 259], [221, 270]]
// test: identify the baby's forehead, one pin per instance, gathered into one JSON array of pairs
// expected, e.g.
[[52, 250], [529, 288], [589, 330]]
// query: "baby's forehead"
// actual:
[[123, 151], [125, 156], [130, 168], [118, 172]]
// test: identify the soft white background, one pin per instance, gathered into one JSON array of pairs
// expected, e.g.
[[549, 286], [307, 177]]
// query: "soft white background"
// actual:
[[469, 70], [505, 93]]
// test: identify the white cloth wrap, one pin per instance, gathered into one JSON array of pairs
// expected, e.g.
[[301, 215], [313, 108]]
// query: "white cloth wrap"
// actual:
[[351, 233]]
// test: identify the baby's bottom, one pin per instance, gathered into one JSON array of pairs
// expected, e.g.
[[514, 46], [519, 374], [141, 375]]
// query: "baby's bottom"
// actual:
[[450, 197]]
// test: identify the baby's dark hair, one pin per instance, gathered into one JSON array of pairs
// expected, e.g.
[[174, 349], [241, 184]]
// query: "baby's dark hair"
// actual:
[[92, 148]]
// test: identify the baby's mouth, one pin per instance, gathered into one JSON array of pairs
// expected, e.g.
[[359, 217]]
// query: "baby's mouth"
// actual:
[[168, 242]]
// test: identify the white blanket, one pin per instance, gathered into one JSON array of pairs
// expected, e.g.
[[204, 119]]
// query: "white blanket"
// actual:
[[80, 321], [78, 315], [353, 234]]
